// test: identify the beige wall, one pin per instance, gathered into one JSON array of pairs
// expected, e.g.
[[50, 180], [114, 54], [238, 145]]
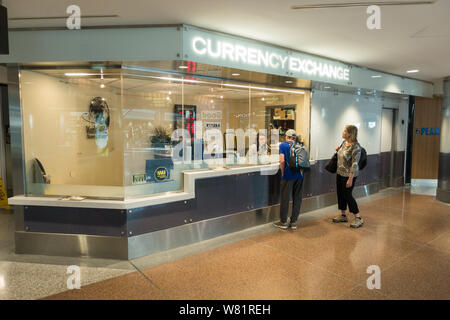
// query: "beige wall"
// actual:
[[55, 134]]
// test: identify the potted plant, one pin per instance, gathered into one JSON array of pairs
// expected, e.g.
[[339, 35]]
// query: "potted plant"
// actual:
[[161, 138]]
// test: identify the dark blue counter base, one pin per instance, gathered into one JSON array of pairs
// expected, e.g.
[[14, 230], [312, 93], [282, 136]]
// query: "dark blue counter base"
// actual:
[[319, 181], [90, 221], [215, 197]]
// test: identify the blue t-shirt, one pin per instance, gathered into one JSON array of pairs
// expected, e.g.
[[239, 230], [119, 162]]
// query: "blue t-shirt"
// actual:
[[288, 174]]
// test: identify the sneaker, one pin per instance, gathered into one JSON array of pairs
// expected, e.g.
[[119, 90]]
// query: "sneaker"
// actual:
[[293, 225], [281, 225], [356, 223], [340, 218]]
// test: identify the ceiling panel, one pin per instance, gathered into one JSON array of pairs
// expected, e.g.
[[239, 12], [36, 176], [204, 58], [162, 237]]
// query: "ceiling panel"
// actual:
[[412, 37]]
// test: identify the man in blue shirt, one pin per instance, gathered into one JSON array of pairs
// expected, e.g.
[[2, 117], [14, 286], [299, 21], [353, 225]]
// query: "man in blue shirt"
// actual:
[[291, 185]]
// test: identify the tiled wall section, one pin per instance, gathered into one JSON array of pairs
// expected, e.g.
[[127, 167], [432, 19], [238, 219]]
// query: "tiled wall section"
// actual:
[[319, 181], [330, 112], [399, 160]]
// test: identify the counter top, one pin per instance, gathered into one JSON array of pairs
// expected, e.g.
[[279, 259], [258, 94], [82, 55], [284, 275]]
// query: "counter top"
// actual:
[[188, 193]]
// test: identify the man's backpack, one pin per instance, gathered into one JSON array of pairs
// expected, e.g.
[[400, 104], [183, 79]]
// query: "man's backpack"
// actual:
[[298, 158]]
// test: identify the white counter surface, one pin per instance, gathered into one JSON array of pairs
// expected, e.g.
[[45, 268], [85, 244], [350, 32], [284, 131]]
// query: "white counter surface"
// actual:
[[189, 191]]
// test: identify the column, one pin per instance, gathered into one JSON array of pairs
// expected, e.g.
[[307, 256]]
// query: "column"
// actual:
[[443, 189]]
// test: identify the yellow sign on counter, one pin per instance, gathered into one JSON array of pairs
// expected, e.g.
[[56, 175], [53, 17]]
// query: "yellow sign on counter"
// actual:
[[3, 196]]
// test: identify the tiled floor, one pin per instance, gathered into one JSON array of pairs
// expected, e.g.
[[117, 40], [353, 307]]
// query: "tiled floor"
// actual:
[[406, 235], [33, 277]]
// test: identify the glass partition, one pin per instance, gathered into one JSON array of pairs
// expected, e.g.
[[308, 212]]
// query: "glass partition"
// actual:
[[122, 133], [276, 110], [149, 118], [71, 132]]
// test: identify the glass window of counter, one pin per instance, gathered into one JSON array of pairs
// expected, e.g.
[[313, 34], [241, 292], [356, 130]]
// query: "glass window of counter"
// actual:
[[275, 110], [123, 133], [72, 145]]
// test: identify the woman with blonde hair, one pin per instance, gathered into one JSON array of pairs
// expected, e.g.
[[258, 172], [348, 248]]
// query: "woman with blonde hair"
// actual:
[[348, 155]]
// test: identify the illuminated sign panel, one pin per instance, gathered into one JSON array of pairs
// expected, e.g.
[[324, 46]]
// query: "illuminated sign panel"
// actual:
[[218, 49], [257, 57]]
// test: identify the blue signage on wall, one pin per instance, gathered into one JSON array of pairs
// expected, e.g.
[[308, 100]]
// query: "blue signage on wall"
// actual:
[[428, 131], [158, 170]]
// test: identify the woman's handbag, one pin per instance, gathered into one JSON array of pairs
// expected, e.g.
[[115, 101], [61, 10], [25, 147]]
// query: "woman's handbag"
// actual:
[[331, 166]]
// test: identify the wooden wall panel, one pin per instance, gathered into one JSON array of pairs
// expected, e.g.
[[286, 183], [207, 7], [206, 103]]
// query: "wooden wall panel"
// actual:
[[426, 143]]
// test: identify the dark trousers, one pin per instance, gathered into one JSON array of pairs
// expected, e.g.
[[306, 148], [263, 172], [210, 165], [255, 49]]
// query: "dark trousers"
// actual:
[[344, 194], [291, 188]]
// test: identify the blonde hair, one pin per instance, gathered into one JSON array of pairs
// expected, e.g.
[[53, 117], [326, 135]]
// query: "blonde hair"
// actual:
[[353, 132]]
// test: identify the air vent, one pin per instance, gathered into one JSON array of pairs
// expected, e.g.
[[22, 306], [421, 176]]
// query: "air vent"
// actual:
[[64, 17]]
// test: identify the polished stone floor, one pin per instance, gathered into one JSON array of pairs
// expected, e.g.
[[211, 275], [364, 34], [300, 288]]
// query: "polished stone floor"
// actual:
[[406, 235]]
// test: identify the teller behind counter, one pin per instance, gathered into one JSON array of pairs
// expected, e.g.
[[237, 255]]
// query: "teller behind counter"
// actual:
[[258, 153]]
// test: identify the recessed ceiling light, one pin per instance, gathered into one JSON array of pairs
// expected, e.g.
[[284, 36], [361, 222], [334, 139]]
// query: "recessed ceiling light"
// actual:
[[102, 86], [412, 71], [77, 74], [262, 99], [235, 74], [221, 97], [170, 92], [376, 76], [183, 67]]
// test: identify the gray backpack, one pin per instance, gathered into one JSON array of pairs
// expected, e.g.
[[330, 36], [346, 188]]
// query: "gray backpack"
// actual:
[[298, 158]]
